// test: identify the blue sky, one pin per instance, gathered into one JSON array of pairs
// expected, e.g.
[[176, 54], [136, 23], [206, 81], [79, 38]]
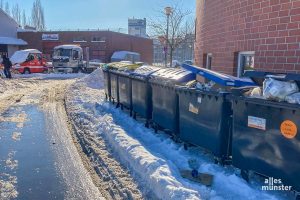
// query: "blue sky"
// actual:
[[103, 14]]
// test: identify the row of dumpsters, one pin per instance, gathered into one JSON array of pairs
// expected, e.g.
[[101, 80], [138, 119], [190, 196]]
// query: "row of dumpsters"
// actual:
[[252, 134]]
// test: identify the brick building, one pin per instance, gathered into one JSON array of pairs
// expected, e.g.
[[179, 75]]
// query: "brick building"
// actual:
[[234, 35], [102, 44]]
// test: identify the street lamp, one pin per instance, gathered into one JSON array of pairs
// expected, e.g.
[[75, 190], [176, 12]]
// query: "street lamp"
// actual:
[[168, 12]]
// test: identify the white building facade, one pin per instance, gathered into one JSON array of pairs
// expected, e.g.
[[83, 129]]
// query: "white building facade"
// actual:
[[9, 43]]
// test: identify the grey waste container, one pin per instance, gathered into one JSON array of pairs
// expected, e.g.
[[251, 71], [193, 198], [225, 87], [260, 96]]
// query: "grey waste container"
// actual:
[[266, 136], [165, 99], [116, 69], [106, 83], [124, 82], [205, 115], [142, 92]]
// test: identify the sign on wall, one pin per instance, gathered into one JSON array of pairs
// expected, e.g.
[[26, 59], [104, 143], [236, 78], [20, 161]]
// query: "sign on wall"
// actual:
[[50, 37]]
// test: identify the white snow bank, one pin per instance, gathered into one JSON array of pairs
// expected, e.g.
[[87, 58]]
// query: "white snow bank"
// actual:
[[50, 76], [92, 80], [155, 158]]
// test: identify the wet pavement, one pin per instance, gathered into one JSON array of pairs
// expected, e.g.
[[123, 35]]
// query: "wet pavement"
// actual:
[[27, 161]]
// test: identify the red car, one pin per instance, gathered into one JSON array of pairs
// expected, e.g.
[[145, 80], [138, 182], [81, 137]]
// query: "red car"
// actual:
[[29, 61]]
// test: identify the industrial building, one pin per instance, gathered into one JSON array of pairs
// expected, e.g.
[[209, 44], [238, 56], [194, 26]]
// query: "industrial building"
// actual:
[[101, 44]]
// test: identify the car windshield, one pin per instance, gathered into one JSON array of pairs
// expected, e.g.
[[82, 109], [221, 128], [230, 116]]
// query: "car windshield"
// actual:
[[63, 52]]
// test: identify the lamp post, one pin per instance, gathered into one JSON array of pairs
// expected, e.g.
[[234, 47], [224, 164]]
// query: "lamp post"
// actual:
[[168, 12]]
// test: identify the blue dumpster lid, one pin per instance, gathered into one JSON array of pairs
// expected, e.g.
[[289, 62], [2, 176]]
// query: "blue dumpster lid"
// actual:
[[145, 71], [259, 76], [219, 78], [174, 74]]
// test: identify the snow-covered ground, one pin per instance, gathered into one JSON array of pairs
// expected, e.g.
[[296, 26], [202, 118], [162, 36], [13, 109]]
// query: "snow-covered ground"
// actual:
[[39, 158], [153, 159], [50, 75]]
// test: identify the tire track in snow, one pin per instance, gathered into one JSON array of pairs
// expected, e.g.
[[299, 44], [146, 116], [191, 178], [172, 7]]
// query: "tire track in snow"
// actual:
[[116, 180]]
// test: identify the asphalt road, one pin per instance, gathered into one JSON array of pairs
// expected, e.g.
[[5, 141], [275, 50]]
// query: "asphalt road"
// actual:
[[38, 155]]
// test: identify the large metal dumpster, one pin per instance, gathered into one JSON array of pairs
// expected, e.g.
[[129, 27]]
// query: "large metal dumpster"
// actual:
[[205, 115], [124, 82], [142, 92], [114, 71], [106, 83], [165, 99], [266, 137]]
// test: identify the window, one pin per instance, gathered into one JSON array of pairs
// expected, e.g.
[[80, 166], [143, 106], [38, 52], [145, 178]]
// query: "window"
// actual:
[[245, 62], [39, 57], [30, 58], [75, 55], [79, 39], [207, 60], [98, 39]]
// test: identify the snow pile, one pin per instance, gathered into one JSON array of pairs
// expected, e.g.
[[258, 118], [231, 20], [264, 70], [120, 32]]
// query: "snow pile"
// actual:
[[50, 76], [93, 80], [155, 158]]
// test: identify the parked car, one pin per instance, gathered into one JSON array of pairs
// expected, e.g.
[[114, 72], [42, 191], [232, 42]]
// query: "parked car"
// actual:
[[125, 56], [176, 63], [96, 61], [29, 61], [188, 62]]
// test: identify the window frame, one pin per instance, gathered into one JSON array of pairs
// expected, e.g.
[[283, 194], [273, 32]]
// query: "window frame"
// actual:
[[208, 55], [79, 39], [101, 39], [78, 56], [240, 68]]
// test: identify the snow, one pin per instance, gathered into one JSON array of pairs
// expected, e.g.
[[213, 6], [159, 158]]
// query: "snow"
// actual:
[[50, 76], [155, 159], [46, 96]]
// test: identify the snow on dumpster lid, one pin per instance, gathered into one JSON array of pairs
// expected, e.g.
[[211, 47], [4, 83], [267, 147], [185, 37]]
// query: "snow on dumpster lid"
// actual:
[[21, 56], [145, 71], [174, 74], [122, 66], [219, 78]]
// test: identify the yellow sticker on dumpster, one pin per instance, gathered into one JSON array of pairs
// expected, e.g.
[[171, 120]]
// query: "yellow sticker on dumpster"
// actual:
[[193, 109], [288, 129]]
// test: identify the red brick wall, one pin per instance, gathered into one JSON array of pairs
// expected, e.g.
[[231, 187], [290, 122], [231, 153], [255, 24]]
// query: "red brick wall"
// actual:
[[271, 28], [98, 50]]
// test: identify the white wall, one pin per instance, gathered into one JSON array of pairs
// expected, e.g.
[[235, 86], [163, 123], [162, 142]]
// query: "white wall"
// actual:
[[8, 26], [11, 49]]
